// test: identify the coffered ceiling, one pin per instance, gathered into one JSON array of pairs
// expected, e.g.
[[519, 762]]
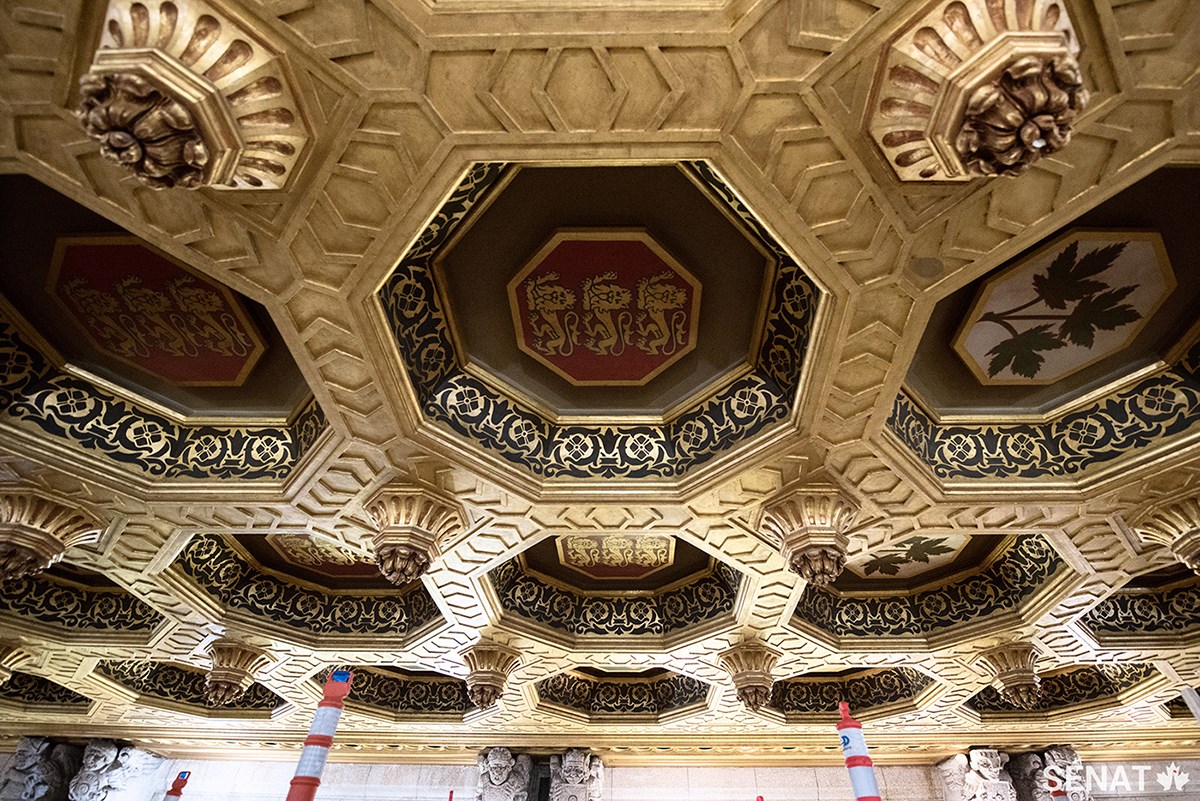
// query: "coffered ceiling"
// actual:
[[600, 291]]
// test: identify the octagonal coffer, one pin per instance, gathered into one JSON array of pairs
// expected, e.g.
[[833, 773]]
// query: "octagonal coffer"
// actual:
[[551, 316]]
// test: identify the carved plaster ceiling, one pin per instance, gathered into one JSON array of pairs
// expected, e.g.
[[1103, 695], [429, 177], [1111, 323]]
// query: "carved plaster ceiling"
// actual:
[[582, 343]]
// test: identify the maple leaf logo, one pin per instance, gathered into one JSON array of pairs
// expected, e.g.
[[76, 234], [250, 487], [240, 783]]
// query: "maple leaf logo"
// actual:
[[1172, 777]]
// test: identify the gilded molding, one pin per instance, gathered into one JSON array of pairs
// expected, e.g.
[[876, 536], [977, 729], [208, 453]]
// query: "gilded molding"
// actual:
[[971, 89], [411, 521], [186, 95], [35, 532], [749, 664], [810, 526], [1012, 669], [489, 664], [234, 667], [1176, 526]]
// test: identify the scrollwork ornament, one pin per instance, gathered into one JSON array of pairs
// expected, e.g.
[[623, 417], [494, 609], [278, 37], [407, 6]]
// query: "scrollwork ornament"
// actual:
[[143, 129], [1023, 115]]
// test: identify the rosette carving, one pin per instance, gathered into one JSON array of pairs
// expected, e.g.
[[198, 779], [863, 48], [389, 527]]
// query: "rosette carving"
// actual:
[[35, 532], [191, 99], [489, 665], [411, 521], [810, 526], [1177, 526], [142, 129], [749, 665], [1012, 669], [972, 88], [234, 666]]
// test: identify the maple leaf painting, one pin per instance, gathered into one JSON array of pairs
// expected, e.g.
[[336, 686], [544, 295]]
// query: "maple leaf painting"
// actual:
[[1079, 302]]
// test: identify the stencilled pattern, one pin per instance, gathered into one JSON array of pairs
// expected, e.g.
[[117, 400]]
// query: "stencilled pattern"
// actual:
[[234, 582], [1157, 407], [475, 410], [699, 601], [34, 392], [25, 688], [651, 697], [181, 684], [1071, 687], [69, 606], [870, 689], [391, 690], [1016, 575], [1169, 611]]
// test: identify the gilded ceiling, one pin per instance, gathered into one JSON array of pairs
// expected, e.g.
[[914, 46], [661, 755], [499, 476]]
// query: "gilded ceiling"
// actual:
[[646, 377]]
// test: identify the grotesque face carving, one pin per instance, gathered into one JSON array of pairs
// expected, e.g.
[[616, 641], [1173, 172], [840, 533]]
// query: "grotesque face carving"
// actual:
[[988, 764], [98, 755], [29, 751], [499, 765], [575, 767]]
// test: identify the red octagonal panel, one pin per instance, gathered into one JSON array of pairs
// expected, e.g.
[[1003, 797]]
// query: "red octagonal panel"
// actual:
[[608, 307]]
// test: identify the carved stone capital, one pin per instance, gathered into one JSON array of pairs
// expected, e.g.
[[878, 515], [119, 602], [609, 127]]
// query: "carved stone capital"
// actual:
[[810, 525], [234, 666], [972, 88], [749, 665], [489, 665], [13, 657], [191, 99], [411, 522], [35, 532], [1012, 668], [1177, 526]]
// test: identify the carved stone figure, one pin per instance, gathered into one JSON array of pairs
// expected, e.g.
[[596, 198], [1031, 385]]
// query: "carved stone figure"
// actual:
[[1064, 763], [502, 777], [143, 129], [40, 771], [111, 772], [977, 776], [576, 776], [1029, 777]]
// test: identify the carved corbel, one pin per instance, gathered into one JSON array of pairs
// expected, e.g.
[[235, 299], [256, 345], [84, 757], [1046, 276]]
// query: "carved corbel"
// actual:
[[489, 664], [971, 88], [35, 533], [1012, 669], [13, 658], [810, 525], [234, 667], [1176, 526], [190, 98], [749, 665], [411, 521]]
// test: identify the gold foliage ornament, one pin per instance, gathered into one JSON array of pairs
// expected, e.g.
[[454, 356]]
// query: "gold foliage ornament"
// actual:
[[234, 665], [749, 664], [411, 521], [1012, 667], [810, 526], [489, 665]]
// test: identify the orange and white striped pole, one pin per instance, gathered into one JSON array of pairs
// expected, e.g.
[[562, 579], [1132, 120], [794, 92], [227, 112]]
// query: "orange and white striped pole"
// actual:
[[320, 737], [177, 786], [858, 761]]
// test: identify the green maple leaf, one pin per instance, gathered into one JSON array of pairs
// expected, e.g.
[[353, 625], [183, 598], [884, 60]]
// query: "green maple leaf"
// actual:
[[1103, 312], [1022, 351], [921, 548], [888, 564], [1066, 278]]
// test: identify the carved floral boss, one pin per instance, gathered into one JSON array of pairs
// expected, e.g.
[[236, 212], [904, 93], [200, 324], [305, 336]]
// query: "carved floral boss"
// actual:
[[605, 308]]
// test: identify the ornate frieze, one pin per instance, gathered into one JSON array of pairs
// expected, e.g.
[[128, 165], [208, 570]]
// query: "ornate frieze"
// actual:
[[973, 88], [1011, 666], [41, 770], [1003, 586], [1168, 611], [187, 95], [749, 664], [700, 601], [411, 521], [234, 666], [810, 526], [1176, 526], [577, 775], [1071, 687], [619, 696], [86, 609], [502, 776], [806, 696], [489, 665], [180, 684], [36, 531], [406, 694], [29, 690], [237, 584]]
